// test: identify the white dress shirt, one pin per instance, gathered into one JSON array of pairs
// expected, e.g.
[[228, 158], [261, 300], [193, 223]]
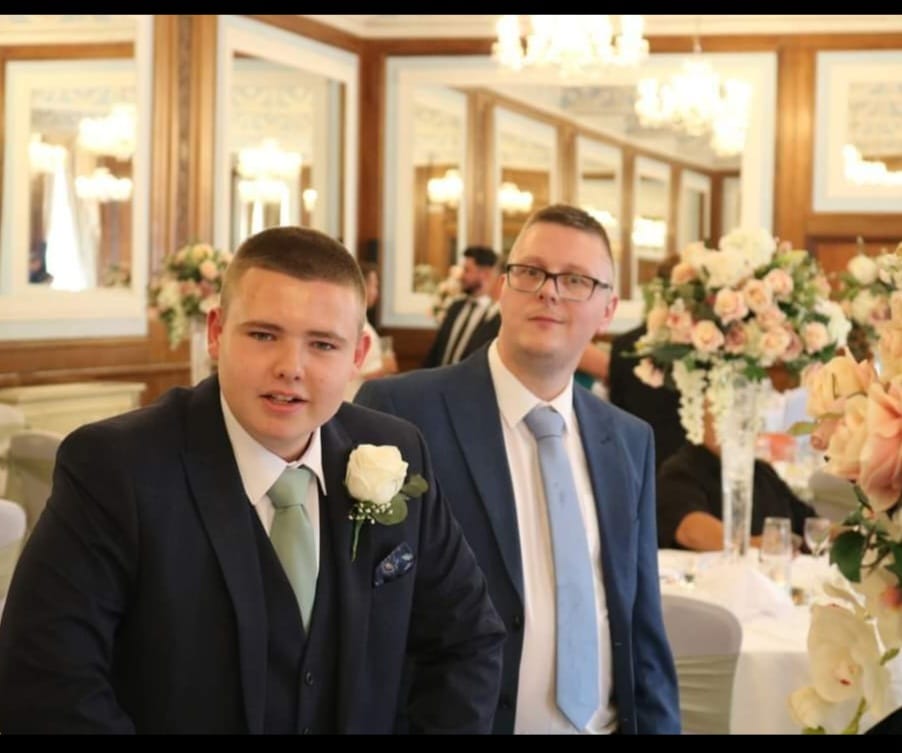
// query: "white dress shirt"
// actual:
[[537, 711], [259, 469], [480, 306]]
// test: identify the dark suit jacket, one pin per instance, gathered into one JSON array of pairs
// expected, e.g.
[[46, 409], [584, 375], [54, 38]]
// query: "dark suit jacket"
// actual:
[[657, 406], [137, 604], [484, 332], [457, 411]]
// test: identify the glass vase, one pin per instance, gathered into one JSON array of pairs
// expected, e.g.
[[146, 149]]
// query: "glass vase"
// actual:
[[738, 431], [201, 366]]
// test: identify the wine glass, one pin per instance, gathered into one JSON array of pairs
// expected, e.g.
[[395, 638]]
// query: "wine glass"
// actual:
[[817, 535]]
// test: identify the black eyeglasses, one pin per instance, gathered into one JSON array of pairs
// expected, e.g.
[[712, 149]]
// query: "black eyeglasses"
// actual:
[[568, 285]]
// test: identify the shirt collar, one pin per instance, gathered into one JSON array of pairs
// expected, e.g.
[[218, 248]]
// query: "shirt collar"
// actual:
[[259, 468], [515, 400]]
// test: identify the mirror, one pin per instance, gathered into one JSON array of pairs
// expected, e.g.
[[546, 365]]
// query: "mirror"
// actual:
[[76, 193], [598, 176], [694, 222], [286, 134], [605, 113], [651, 195], [526, 178], [439, 140]]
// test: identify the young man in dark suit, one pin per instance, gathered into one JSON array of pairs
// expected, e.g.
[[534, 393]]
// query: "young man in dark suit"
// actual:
[[150, 597], [477, 419], [465, 315]]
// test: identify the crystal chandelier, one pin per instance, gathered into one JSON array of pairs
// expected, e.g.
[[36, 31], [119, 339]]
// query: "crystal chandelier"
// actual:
[[572, 44], [697, 101], [112, 134]]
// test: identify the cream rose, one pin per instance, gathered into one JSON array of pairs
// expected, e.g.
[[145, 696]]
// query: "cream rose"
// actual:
[[847, 439], [758, 296], [375, 473], [883, 599], [774, 343], [815, 336], [729, 305], [656, 318], [881, 457], [780, 283], [682, 273], [830, 384], [648, 373], [706, 337], [863, 269]]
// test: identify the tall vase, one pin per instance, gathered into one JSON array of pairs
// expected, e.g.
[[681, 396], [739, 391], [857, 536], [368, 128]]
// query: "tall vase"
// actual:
[[739, 424], [201, 366]]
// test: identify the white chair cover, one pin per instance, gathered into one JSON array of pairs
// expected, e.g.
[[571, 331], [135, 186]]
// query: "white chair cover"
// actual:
[[12, 420], [32, 455], [12, 532], [705, 639]]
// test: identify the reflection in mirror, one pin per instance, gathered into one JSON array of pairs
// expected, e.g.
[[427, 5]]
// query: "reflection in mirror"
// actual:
[[439, 138], [526, 152], [649, 233], [598, 190], [76, 192], [731, 203], [80, 149], [281, 121], [695, 210], [286, 134]]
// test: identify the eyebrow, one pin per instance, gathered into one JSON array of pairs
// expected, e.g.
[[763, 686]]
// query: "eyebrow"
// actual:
[[278, 329], [531, 261]]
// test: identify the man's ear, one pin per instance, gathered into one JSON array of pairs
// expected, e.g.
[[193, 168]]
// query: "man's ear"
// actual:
[[364, 343]]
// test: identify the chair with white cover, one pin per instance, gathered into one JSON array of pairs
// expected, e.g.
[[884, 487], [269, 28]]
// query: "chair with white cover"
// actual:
[[12, 534], [12, 420], [705, 639], [31, 457]]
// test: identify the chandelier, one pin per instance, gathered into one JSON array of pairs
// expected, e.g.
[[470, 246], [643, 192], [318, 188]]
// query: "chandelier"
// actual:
[[513, 200], [112, 134], [446, 190], [864, 172], [698, 102], [572, 44], [103, 187], [269, 161]]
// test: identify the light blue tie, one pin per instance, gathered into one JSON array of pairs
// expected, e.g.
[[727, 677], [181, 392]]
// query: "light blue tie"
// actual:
[[577, 626], [292, 537]]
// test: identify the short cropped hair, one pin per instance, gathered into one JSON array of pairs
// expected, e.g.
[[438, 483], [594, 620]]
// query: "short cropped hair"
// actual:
[[568, 216], [299, 252], [482, 256]]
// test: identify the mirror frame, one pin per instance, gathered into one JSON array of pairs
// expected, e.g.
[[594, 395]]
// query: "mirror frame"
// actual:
[[693, 182], [237, 34], [406, 71], [36, 312]]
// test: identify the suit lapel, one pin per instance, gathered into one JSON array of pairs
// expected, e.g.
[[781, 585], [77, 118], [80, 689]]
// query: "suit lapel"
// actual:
[[352, 579], [481, 440], [222, 503], [611, 488]]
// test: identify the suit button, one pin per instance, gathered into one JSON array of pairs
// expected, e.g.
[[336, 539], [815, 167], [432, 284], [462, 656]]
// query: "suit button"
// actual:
[[517, 623], [308, 678], [505, 702]]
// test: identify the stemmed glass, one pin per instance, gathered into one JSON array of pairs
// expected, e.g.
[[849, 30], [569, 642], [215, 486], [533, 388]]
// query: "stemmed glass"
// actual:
[[817, 535]]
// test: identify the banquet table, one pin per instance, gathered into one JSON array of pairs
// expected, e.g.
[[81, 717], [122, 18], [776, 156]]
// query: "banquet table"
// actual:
[[773, 659]]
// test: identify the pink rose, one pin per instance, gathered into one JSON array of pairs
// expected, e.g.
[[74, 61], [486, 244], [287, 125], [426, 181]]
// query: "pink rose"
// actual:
[[889, 349], [735, 339], [682, 273], [881, 457], [656, 318], [794, 349], [770, 317], [648, 373], [830, 385], [729, 305], [706, 336], [774, 343], [780, 283], [815, 336], [848, 438], [757, 295], [679, 322]]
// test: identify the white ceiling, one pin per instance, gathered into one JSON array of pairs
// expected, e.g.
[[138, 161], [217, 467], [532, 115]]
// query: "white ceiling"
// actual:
[[480, 26]]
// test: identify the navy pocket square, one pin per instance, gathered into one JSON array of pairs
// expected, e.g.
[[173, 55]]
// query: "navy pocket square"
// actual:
[[396, 564]]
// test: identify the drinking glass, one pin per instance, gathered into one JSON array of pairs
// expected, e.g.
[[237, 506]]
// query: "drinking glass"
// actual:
[[776, 550], [817, 535]]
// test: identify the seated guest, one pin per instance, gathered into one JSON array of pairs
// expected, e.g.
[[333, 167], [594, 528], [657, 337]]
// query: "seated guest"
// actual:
[[690, 498], [378, 363]]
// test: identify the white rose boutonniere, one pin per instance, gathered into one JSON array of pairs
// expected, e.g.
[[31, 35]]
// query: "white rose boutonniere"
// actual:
[[375, 479]]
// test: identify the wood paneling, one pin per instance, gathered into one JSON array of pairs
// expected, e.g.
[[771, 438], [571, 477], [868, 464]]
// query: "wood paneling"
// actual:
[[164, 154], [201, 118], [372, 152], [308, 27]]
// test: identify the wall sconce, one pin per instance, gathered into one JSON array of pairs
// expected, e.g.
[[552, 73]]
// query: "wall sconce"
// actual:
[[649, 233], [268, 161], [309, 197]]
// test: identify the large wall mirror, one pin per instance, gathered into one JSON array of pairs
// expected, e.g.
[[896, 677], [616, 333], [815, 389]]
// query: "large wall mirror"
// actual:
[[651, 196], [694, 221], [286, 134], [605, 108], [76, 193], [599, 167]]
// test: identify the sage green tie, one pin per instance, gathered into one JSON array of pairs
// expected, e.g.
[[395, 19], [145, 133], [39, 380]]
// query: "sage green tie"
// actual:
[[292, 537]]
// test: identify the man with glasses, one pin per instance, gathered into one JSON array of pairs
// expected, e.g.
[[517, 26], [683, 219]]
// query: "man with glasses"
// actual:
[[524, 457]]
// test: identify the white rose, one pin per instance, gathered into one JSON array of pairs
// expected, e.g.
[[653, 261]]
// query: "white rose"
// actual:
[[863, 269], [756, 246], [375, 473]]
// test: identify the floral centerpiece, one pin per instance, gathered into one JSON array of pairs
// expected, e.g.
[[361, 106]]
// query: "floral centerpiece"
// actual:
[[864, 291], [745, 308], [858, 423], [188, 287]]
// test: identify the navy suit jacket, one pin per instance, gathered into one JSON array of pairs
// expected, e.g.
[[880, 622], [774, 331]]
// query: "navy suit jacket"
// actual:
[[456, 409], [137, 604]]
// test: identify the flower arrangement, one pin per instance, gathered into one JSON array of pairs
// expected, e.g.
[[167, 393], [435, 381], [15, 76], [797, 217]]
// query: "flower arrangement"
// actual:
[[375, 479], [864, 290], [858, 422], [446, 292], [188, 287], [743, 308]]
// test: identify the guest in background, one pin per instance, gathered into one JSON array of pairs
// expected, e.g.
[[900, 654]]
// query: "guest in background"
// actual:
[[487, 330], [466, 314], [484, 420], [150, 597], [690, 498], [378, 361], [658, 406]]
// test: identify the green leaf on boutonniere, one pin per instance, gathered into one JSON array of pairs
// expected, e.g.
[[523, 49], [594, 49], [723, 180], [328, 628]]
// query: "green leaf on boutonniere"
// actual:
[[861, 497], [814, 731], [396, 512], [415, 487], [846, 553]]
